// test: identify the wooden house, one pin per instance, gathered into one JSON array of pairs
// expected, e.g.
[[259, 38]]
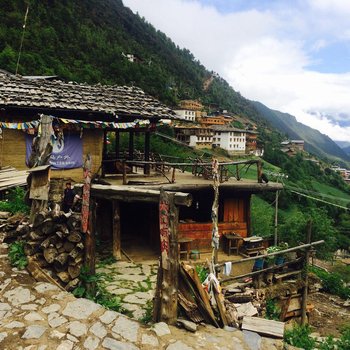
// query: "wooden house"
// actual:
[[82, 116]]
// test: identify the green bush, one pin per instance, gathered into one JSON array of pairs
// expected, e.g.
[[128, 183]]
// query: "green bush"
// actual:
[[14, 201], [299, 337], [17, 256], [332, 283], [273, 311]]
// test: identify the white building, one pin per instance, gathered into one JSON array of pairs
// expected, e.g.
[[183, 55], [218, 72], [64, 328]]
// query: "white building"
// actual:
[[186, 114], [230, 139]]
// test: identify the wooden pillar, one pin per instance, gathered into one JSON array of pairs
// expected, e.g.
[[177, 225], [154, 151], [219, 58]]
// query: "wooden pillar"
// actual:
[[117, 144], [276, 219], [167, 283], [104, 151], [147, 151], [116, 231], [306, 275], [248, 214], [131, 145], [90, 245], [259, 169]]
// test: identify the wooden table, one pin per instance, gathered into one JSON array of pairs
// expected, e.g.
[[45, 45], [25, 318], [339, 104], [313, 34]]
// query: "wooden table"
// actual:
[[185, 247], [232, 242]]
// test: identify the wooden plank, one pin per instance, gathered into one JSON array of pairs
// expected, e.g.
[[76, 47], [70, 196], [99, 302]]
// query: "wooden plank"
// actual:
[[116, 231], [263, 326]]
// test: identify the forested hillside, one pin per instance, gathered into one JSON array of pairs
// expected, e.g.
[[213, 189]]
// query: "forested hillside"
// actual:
[[88, 40]]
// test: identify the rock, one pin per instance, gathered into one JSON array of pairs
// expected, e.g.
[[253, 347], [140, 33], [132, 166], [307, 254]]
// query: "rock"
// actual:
[[188, 325], [5, 307], [45, 287], [19, 295], [230, 329], [126, 328], [91, 343], [131, 307], [33, 316], [133, 278], [57, 334], [137, 314], [271, 344], [246, 309], [14, 324], [149, 340], [178, 345], [347, 303], [80, 309], [3, 335], [77, 328], [99, 330], [65, 345], [112, 344], [252, 339], [161, 329], [34, 332], [42, 347], [51, 308], [109, 316], [118, 291], [55, 320], [72, 338]]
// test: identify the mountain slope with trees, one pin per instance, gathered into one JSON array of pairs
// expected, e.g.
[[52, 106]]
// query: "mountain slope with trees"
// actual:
[[87, 41]]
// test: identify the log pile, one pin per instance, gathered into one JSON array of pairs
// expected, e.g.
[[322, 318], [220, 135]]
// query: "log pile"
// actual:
[[55, 241]]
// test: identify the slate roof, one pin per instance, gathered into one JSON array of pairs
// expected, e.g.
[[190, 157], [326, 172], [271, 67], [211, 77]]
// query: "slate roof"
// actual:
[[16, 91]]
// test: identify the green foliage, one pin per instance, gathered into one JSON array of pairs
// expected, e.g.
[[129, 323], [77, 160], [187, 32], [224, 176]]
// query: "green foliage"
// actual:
[[299, 337], [343, 343], [202, 272], [14, 202], [97, 291], [17, 256], [262, 215], [148, 316], [332, 283], [273, 311], [107, 261]]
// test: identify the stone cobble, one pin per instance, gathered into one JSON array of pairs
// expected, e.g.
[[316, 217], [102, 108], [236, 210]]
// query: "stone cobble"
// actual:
[[40, 316]]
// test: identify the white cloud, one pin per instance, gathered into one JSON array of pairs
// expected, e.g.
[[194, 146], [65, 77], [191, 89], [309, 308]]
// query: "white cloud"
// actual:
[[266, 54]]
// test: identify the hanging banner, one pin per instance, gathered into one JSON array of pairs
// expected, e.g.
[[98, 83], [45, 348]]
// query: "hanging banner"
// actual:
[[67, 151]]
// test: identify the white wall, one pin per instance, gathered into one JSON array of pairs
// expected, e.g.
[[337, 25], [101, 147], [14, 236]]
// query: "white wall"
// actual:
[[186, 114]]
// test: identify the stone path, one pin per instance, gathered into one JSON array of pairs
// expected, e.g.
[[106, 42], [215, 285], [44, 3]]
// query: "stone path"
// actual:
[[134, 283], [40, 316]]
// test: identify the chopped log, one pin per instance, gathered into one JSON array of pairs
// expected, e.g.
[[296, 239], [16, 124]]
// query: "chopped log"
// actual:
[[263, 326], [74, 271], [72, 284], [63, 276], [49, 254], [239, 298], [74, 237], [74, 221], [61, 250], [75, 253], [30, 248], [59, 245], [80, 246], [22, 229], [62, 258], [58, 267], [63, 228], [59, 234], [47, 227], [39, 218], [50, 240], [34, 236], [4, 214], [68, 246], [190, 308], [231, 314], [39, 274]]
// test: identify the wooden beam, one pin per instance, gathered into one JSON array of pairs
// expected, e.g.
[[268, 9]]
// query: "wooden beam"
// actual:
[[263, 326], [131, 145], [147, 168], [117, 144], [132, 194], [116, 231]]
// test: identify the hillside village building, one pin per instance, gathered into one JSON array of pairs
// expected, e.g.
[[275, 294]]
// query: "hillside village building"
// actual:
[[195, 136], [292, 147], [186, 114], [230, 139]]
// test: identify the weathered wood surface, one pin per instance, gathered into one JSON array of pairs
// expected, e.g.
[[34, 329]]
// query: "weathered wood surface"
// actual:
[[130, 193], [263, 326], [116, 231]]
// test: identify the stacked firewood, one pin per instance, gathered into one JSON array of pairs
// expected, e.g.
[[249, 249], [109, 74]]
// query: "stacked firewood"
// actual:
[[55, 241]]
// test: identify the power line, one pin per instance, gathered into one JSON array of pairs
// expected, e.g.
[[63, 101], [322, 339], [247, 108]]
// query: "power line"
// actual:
[[22, 39]]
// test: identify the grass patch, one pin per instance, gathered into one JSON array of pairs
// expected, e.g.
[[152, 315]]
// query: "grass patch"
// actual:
[[141, 288], [17, 256], [148, 316], [107, 261], [14, 201], [299, 337], [273, 311]]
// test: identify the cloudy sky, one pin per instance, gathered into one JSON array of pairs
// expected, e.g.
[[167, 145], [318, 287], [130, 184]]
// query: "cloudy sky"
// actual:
[[292, 55]]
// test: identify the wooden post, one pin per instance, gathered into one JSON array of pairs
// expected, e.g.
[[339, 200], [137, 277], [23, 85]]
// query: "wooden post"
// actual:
[[90, 245], [116, 231], [306, 276], [131, 145], [125, 180], [104, 151], [167, 288], [147, 151], [117, 143], [41, 152], [276, 218], [259, 169]]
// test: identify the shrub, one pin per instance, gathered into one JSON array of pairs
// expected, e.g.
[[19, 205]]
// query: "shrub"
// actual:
[[14, 201], [17, 256], [299, 337]]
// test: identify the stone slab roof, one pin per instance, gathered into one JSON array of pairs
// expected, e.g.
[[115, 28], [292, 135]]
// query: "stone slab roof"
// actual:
[[17, 91]]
